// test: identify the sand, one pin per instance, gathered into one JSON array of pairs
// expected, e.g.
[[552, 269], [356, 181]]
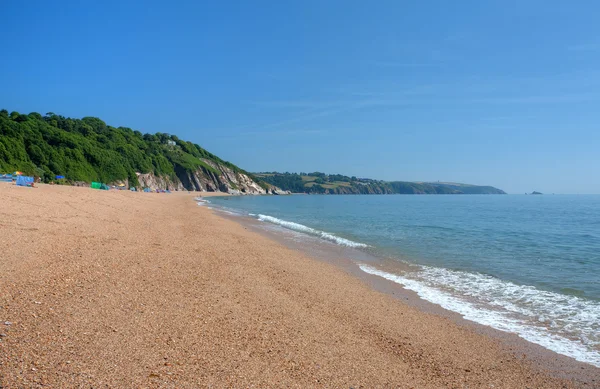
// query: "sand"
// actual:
[[142, 290]]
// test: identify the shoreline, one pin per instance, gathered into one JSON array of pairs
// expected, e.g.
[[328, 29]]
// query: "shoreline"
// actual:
[[124, 289], [558, 365]]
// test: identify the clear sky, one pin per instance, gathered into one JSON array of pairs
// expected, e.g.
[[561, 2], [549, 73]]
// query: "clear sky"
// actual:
[[505, 93]]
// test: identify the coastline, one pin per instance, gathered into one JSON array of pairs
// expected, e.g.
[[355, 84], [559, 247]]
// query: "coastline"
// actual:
[[127, 289], [348, 259]]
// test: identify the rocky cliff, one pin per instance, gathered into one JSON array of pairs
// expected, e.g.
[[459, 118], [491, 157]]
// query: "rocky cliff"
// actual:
[[220, 178]]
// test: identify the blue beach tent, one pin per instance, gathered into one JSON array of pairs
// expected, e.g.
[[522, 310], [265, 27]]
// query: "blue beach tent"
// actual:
[[24, 180]]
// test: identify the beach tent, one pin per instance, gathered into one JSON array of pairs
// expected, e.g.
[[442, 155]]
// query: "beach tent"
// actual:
[[133, 189], [99, 185], [6, 178], [147, 190], [60, 177], [24, 181]]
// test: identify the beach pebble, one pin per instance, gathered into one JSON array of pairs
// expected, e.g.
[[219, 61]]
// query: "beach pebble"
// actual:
[[3, 335], [7, 323]]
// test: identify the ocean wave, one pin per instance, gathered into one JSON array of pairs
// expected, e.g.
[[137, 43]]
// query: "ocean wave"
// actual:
[[311, 231], [201, 201], [568, 325]]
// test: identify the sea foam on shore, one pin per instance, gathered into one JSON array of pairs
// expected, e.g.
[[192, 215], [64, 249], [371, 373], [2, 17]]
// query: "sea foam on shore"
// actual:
[[540, 317], [311, 231]]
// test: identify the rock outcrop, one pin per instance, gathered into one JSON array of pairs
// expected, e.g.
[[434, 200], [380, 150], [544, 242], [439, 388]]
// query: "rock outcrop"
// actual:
[[149, 180], [220, 178]]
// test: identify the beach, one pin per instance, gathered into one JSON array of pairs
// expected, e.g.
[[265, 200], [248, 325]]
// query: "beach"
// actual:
[[124, 289]]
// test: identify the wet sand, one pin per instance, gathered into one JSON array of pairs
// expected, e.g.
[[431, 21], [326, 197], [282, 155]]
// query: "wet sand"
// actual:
[[121, 289]]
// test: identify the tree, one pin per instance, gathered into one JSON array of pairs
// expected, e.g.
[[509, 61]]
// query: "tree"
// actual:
[[90, 150]]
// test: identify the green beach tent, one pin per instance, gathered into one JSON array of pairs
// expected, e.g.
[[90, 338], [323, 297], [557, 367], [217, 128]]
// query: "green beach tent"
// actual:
[[96, 185]]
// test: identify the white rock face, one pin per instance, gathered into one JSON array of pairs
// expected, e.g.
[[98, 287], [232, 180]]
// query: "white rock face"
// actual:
[[236, 181], [226, 180], [149, 180]]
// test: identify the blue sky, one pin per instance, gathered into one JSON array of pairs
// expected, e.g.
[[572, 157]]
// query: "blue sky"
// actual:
[[502, 93]]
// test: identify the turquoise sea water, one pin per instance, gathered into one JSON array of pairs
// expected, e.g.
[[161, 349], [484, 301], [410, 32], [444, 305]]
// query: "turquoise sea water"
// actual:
[[524, 264]]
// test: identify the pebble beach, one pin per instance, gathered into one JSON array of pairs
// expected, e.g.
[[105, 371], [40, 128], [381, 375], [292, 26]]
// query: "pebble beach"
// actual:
[[117, 289]]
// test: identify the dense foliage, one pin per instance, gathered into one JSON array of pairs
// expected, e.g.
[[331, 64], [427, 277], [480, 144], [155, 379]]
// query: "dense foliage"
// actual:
[[89, 150], [338, 184]]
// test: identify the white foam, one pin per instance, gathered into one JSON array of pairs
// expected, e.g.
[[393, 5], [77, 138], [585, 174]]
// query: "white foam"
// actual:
[[307, 230], [201, 201], [518, 308], [228, 211]]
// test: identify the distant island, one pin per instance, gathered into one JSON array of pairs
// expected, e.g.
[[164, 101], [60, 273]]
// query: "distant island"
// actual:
[[321, 183], [536, 193]]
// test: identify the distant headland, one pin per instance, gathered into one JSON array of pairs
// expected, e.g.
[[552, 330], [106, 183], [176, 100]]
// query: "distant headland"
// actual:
[[321, 183]]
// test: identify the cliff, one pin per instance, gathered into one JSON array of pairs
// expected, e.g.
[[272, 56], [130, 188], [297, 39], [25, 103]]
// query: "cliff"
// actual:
[[227, 180]]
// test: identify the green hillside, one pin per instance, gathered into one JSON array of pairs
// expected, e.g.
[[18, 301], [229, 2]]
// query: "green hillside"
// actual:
[[339, 184], [90, 150]]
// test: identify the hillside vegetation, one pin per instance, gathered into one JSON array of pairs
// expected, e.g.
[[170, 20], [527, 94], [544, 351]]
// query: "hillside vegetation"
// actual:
[[87, 149], [339, 184], [90, 150]]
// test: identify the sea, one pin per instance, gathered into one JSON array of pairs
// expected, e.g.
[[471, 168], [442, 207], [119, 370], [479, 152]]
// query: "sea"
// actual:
[[525, 264]]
